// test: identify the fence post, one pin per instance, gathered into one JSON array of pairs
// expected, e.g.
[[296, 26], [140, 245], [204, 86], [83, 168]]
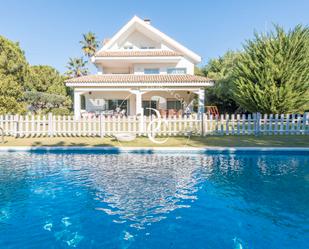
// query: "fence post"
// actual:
[[205, 121], [227, 120], [38, 125], [298, 124], [305, 121], [249, 124], [11, 124], [243, 124], [32, 125], [102, 125], [15, 132], [270, 124], [258, 123], [141, 124], [233, 124], [50, 124], [281, 124], [256, 117]]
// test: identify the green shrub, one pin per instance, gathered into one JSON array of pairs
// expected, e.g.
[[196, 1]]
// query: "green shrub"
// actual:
[[60, 111]]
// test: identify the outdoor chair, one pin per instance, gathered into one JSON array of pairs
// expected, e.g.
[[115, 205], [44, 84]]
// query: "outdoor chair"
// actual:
[[163, 113], [212, 110], [122, 112], [171, 112]]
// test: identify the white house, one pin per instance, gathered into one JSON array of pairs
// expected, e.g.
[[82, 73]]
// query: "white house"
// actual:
[[138, 68]]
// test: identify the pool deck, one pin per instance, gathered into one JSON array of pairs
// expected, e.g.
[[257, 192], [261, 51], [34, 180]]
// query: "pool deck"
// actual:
[[150, 150]]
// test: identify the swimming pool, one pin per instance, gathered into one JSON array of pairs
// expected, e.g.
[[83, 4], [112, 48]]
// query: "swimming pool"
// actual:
[[170, 200]]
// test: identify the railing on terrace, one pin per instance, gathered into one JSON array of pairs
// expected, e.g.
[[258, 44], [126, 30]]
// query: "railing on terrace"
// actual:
[[251, 124]]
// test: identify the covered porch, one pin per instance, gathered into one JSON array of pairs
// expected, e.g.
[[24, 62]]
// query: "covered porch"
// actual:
[[119, 101]]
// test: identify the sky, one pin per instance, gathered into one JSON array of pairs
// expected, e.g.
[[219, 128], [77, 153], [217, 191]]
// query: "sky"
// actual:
[[49, 31]]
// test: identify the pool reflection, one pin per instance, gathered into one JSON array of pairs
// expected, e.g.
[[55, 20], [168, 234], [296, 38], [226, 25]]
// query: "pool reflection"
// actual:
[[142, 189]]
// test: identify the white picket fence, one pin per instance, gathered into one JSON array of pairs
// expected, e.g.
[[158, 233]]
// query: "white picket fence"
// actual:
[[255, 124]]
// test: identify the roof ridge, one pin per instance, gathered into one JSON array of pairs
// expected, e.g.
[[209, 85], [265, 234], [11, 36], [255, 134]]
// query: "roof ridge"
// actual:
[[140, 52]]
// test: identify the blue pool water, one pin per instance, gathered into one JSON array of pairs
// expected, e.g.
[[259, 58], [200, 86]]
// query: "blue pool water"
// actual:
[[95, 200]]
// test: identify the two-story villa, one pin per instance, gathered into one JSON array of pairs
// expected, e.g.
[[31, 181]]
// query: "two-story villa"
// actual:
[[138, 68]]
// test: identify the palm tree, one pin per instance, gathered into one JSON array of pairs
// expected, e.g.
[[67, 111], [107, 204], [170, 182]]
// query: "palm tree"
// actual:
[[77, 67], [89, 44]]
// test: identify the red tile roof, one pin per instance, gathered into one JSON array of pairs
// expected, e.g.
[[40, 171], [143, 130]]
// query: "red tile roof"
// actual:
[[140, 78]]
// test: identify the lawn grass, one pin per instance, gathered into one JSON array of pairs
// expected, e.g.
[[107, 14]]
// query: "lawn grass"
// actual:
[[225, 141]]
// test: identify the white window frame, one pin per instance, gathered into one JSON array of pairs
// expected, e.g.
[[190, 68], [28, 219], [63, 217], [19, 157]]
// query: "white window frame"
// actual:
[[176, 69], [157, 70]]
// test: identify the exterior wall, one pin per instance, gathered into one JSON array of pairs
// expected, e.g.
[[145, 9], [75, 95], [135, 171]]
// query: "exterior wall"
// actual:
[[117, 70], [138, 68], [183, 63], [186, 64], [138, 36], [137, 40]]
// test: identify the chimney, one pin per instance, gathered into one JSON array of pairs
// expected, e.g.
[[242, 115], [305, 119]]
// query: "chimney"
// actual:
[[147, 21]]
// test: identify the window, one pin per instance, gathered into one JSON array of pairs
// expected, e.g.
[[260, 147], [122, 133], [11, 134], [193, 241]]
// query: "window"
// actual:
[[149, 104], [177, 70], [151, 71], [174, 104], [128, 47], [82, 102], [147, 47], [118, 103]]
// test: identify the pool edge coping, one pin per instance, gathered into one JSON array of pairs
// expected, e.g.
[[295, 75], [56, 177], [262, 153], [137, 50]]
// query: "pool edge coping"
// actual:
[[150, 149]]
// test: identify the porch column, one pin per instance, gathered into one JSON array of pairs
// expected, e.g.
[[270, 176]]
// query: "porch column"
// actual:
[[138, 104], [139, 110], [77, 103], [201, 101], [138, 101]]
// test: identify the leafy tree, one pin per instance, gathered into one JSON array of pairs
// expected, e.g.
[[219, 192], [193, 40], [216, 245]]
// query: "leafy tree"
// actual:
[[60, 111], [44, 102], [41, 78], [47, 82], [89, 43], [12, 60], [272, 75], [16, 76], [221, 70], [77, 67], [13, 70], [11, 105], [11, 94], [9, 87]]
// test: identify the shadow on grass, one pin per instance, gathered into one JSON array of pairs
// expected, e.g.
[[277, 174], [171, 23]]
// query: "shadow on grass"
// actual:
[[252, 141]]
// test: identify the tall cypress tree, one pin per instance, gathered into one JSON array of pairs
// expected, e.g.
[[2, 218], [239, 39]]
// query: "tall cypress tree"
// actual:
[[272, 75]]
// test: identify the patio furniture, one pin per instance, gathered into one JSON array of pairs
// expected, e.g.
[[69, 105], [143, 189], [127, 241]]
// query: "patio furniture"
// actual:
[[122, 112], [171, 112], [163, 113], [212, 110]]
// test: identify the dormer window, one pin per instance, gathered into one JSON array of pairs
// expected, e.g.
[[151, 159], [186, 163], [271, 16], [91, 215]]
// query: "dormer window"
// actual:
[[151, 71], [177, 70], [128, 47]]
